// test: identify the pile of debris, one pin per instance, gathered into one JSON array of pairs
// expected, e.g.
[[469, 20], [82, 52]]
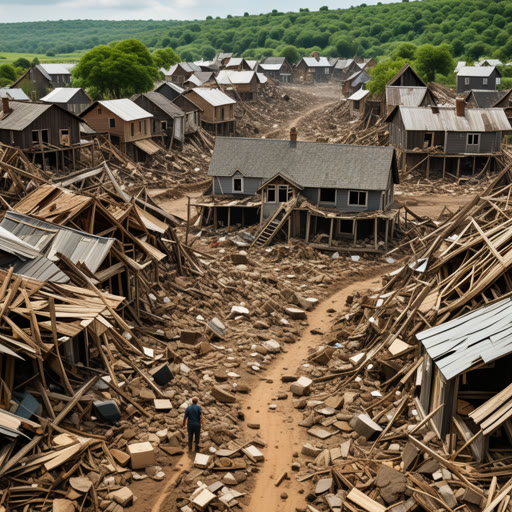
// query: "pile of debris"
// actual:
[[405, 403]]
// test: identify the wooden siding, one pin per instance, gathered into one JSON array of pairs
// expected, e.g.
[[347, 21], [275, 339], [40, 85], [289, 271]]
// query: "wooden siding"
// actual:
[[490, 142], [53, 120], [173, 125], [477, 82], [213, 114], [223, 185]]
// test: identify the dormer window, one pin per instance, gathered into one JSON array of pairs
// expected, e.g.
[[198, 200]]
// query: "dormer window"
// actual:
[[238, 185]]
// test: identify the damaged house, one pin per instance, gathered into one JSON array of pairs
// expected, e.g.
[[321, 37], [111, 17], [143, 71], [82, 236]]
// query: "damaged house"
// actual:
[[347, 201], [446, 139], [277, 68]]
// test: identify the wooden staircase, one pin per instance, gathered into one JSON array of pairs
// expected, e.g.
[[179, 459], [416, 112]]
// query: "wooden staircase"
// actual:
[[274, 224]]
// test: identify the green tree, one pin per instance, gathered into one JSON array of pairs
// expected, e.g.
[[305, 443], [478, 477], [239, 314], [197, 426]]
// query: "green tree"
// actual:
[[116, 71], [433, 59], [21, 63], [291, 54], [382, 73], [165, 58], [404, 51], [7, 72], [35, 62]]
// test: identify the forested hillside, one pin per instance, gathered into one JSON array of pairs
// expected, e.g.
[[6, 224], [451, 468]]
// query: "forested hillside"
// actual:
[[473, 28]]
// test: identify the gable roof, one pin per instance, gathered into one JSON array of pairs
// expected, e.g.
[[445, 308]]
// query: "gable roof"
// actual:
[[214, 97], [14, 93], [228, 77], [406, 68], [62, 94], [477, 71], [275, 60], [23, 114], [359, 78], [171, 85], [188, 67], [311, 62], [483, 335], [460, 65], [194, 80], [489, 62], [343, 63], [56, 69], [406, 96], [164, 104], [446, 120], [484, 98], [335, 165], [123, 108], [502, 102]]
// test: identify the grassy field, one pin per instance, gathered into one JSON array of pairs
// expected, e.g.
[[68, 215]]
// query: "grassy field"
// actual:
[[9, 58]]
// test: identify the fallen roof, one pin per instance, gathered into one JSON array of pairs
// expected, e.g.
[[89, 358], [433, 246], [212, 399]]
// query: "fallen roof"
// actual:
[[483, 335], [22, 115], [214, 97], [14, 93], [124, 108], [446, 120], [311, 164], [61, 94], [407, 96], [478, 71]]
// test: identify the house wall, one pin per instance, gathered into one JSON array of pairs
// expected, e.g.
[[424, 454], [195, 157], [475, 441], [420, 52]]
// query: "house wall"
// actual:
[[174, 125], [53, 120], [477, 82], [168, 92], [35, 85], [212, 114], [224, 185], [490, 142], [373, 202], [77, 104]]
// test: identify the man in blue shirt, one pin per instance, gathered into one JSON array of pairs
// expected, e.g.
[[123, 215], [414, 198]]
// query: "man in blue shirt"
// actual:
[[194, 415]]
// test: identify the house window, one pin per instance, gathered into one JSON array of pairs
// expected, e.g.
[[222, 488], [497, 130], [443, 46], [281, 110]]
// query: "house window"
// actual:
[[327, 195], [498, 80], [44, 136], [64, 138], [326, 71], [99, 111], [356, 104], [271, 194], [466, 81], [428, 140], [140, 126], [132, 128], [164, 125], [473, 139], [485, 81], [111, 123], [357, 198], [222, 114], [238, 185], [35, 136], [284, 193]]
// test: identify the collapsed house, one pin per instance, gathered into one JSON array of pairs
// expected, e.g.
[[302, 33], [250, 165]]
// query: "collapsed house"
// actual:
[[346, 201], [450, 140]]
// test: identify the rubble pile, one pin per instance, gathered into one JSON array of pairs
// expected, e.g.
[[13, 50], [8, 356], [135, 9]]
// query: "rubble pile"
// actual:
[[374, 445]]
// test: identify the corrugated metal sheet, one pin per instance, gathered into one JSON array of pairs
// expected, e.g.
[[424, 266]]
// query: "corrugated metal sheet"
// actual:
[[271, 67], [126, 109], [262, 78], [57, 69], [61, 95], [227, 77], [359, 95], [214, 97], [51, 239], [474, 120], [193, 79], [483, 335], [406, 96], [480, 71], [22, 115], [311, 62], [13, 94], [173, 86]]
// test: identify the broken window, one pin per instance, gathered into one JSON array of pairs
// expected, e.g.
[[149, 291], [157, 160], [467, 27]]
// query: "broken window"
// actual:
[[357, 197], [64, 138], [428, 140], [271, 194], [238, 185], [111, 123], [44, 136], [284, 193], [327, 195], [164, 126]]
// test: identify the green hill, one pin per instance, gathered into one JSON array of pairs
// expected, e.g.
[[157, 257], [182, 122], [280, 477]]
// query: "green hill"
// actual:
[[473, 28]]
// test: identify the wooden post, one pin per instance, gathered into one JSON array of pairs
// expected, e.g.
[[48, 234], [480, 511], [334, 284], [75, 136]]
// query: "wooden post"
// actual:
[[428, 167], [386, 235], [289, 227], [74, 159], [444, 166], [355, 232], [458, 166], [375, 234], [215, 217], [229, 217], [188, 220], [474, 165], [308, 223], [330, 231]]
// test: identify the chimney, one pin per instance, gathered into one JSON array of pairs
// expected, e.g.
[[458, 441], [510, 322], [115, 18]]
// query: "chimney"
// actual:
[[435, 109], [5, 106], [460, 107], [293, 134]]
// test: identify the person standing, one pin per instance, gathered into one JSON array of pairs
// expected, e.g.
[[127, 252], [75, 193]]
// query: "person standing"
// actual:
[[194, 421]]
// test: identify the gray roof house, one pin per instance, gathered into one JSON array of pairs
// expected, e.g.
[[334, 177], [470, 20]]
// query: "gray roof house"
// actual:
[[73, 99], [478, 77], [349, 193], [13, 94]]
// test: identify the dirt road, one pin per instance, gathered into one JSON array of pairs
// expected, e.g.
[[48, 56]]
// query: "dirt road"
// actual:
[[279, 428]]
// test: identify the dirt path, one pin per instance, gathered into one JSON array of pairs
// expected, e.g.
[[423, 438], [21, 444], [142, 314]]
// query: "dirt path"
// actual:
[[279, 428]]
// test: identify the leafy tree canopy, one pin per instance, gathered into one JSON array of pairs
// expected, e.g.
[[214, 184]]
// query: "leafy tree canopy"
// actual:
[[433, 59], [165, 58], [382, 73], [291, 54], [21, 63]]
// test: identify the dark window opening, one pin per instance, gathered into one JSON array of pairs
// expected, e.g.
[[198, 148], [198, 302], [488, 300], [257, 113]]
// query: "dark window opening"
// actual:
[[357, 198], [428, 140], [111, 123], [284, 193], [222, 114], [237, 185], [132, 129], [327, 195], [271, 194], [35, 136], [473, 139], [357, 104], [44, 136], [164, 125]]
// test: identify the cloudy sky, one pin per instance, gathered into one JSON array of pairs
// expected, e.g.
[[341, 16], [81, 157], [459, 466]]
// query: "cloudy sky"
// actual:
[[39, 10]]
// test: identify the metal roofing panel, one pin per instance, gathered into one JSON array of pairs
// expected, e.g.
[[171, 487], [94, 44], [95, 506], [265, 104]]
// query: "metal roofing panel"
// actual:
[[311, 62], [13, 94], [446, 120], [262, 78], [275, 60], [214, 97], [173, 86], [227, 77], [271, 67], [406, 96], [359, 95], [126, 109], [482, 335], [480, 71], [193, 79], [61, 94], [22, 115], [310, 164]]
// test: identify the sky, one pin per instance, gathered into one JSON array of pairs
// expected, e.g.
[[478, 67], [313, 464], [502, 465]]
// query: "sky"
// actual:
[[40, 10]]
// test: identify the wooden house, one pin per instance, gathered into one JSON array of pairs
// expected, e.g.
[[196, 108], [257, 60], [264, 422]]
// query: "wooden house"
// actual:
[[278, 69], [168, 122], [452, 139], [48, 133], [489, 62], [484, 99], [408, 96], [127, 125], [181, 72], [331, 195], [355, 82], [343, 68], [242, 85], [221, 59], [505, 102], [466, 376], [478, 77], [41, 79], [406, 77], [15, 94], [170, 90], [73, 99], [192, 113], [313, 69], [237, 64], [366, 63], [199, 79], [218, 112], [357, 103]]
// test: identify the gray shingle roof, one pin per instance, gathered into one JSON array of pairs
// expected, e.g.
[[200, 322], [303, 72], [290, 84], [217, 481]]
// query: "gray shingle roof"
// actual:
[[486, 99], [310, 164]]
